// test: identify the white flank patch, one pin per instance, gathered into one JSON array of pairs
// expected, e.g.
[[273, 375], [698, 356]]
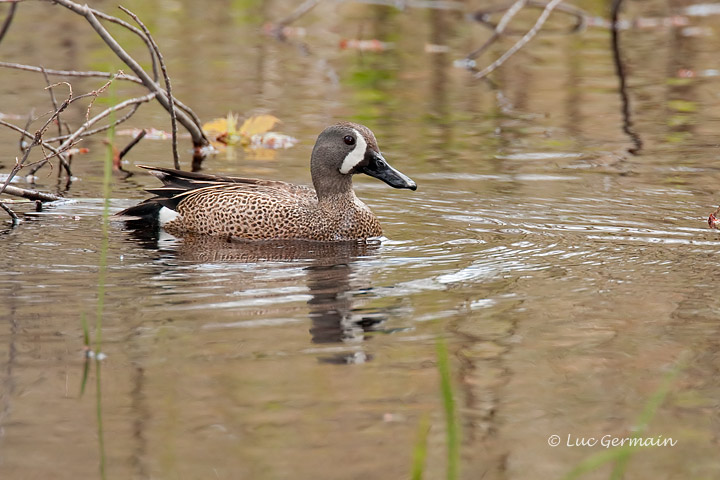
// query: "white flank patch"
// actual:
[[167, 215], [356, 155]]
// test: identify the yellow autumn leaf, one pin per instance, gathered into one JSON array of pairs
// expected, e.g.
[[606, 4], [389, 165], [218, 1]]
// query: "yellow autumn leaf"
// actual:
[[258, 124], [222, 125]]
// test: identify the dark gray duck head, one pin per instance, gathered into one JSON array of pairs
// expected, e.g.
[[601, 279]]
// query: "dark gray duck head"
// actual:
[[345, 149]]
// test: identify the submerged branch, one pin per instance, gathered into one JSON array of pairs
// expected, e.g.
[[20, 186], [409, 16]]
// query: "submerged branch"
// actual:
[[13, 216], [31, 194]]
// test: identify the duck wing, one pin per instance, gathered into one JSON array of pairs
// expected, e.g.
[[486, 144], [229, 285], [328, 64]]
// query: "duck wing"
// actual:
[[178, 185]]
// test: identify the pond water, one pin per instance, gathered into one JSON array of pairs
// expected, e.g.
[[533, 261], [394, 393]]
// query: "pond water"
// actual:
[[571, 280]]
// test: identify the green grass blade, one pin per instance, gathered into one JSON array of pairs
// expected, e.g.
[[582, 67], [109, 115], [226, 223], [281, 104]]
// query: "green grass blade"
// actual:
[[420, 450], [621, 455], [597, 460], [646, 416], [453, 430]]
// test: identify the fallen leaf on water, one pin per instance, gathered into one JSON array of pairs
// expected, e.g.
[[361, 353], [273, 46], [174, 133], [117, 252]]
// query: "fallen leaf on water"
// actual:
[[253, 134], [223, 130], [258, 124]]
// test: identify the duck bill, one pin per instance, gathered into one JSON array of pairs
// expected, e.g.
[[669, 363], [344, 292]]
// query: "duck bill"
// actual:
[[378, 167]]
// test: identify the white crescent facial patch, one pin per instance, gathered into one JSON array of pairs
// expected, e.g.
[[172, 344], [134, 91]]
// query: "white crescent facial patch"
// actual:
[[356, 155]]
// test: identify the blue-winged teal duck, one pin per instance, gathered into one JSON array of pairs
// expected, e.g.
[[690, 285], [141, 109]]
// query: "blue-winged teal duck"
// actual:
[[247, 208]]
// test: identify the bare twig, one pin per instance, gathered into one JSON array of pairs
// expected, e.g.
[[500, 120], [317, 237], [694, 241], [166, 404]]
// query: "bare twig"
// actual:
[[24, 133], [163, 67], [37, 140], [92, 121], [95, 74], [130, 145], [70, 73], [88, 133], [499, 29], [68, 142], [8, 20], [54, 102], [522, 42], [28, 122]]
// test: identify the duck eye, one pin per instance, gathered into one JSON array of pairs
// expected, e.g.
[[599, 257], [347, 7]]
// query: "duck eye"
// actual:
[[349, 140]]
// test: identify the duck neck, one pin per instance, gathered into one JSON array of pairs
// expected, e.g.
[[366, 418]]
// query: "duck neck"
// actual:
[[332, 186]]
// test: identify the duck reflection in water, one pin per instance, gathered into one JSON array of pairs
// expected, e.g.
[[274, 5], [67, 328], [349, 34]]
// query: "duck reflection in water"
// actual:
[[329, 278]]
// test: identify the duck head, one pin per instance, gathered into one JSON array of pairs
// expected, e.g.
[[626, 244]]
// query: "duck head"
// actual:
[[345, 149]]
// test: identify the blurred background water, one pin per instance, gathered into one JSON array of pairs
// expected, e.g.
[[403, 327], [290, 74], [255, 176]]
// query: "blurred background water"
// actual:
[[567, 275]]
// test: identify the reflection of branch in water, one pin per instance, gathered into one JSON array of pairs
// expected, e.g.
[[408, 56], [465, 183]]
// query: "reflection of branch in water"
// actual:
[[499, 29], [279, 30], [8, 21], [620, 69], [522, 42], [582, 18]]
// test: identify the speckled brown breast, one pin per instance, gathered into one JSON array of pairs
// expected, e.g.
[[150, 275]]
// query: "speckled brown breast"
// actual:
[[277, 211]]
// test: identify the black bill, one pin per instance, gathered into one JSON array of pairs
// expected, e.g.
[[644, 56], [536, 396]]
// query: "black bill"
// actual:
[[377, 167]]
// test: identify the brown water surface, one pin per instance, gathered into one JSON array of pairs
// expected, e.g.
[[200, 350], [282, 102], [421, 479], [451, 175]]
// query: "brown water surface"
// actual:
[[568, 276]]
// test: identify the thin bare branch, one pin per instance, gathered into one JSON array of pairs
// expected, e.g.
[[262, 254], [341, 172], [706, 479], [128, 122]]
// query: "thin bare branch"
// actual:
[[522, 42], [130, 145], [195, 130], [163, 67], [70, 73], [136, 31], [89, 133], [28, 122], [8, 20], [37, 140], [54, 102], [70, 140], [25, 133], [96, 74], [92, 121]]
